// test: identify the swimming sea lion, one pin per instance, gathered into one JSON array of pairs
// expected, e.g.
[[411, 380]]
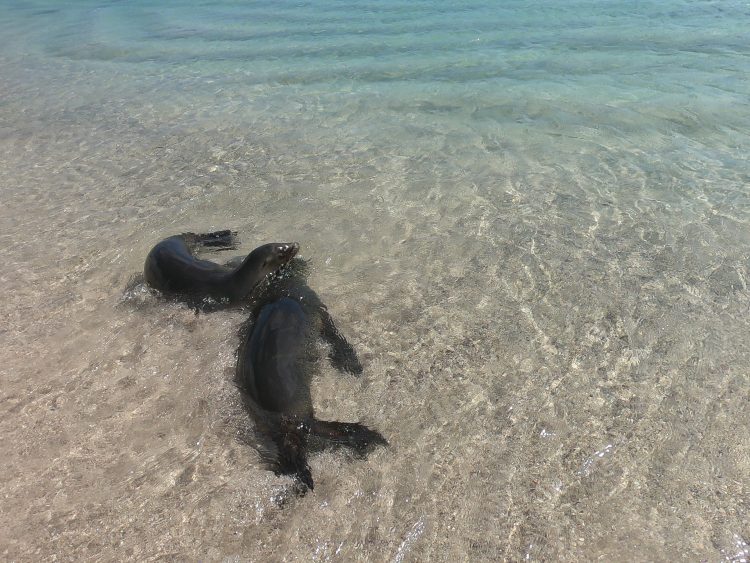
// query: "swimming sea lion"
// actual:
[[273, 371], [172, 266]]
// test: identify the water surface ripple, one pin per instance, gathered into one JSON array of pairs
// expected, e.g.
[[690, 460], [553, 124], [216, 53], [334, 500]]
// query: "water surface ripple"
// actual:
[[531, 220]]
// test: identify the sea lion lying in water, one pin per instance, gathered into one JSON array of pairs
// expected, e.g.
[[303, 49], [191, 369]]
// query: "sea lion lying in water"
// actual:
[[273, 371], [173, 268], [292, 282]]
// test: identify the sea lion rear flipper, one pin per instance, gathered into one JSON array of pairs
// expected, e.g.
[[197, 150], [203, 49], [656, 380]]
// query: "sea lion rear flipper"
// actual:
[[291, 441], [235, 262], [216, 241], [352, 434]]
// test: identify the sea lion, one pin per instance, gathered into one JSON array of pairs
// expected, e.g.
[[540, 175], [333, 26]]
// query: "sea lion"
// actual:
[[173, 268], [273, 371], [292, 283]]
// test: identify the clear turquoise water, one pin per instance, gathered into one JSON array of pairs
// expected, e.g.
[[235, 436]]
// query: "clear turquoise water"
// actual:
[[531, 219], [624, 72]]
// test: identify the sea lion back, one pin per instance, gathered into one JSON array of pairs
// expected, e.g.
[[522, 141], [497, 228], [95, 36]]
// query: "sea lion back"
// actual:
[[271, 361]]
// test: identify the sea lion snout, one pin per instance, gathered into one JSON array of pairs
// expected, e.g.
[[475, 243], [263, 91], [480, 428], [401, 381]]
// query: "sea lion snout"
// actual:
[[288, 250]]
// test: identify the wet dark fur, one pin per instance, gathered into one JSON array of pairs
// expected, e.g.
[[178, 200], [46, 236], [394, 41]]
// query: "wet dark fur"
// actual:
[[173, 268], [274, 370]]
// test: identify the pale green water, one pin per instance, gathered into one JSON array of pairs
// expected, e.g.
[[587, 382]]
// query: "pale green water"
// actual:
[[530, 220]]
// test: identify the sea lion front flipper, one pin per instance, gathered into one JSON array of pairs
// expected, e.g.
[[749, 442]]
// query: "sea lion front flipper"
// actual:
[[352, 434], [342, 355]]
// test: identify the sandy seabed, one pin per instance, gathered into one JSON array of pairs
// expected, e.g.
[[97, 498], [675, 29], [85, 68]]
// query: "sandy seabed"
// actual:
[[553, 330]]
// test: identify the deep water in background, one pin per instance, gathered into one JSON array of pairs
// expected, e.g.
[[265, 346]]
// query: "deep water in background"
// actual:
[[530, 219]]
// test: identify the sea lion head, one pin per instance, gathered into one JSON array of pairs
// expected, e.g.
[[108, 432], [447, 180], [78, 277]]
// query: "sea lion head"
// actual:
[[261, 262], [275, 255]]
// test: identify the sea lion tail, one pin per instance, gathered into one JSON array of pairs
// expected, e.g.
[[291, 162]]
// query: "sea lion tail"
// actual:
[[218, 240], [351, 434]]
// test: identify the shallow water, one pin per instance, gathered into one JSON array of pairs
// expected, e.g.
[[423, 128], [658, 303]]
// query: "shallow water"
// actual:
[[530, 221]]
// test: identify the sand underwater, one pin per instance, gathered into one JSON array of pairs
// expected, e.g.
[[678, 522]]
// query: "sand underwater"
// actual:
[[531, 221]]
